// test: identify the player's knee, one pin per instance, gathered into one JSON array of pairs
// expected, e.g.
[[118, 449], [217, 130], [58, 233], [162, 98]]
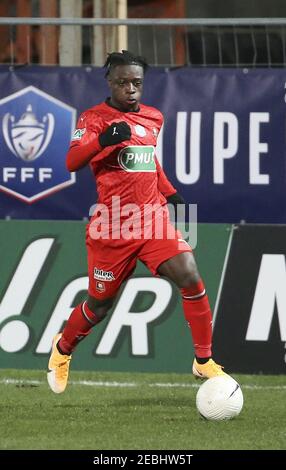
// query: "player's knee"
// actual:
[[187, 272], [99, 307], [188, 279], [188, 276]]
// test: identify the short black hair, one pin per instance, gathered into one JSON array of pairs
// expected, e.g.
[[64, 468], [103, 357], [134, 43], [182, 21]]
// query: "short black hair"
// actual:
[[124, 58]]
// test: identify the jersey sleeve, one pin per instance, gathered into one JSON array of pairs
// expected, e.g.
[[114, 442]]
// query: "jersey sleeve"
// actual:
[[84, 144], [164, 185]]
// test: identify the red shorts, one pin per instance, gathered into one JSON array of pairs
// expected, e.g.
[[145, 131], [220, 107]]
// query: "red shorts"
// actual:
[[110, 262]]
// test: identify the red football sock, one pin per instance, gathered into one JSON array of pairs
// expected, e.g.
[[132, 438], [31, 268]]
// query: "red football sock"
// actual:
[[199, 317], [78, 326]]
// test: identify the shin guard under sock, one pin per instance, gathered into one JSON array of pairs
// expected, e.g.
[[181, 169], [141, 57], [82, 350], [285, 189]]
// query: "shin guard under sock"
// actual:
[[78, 326], [199, 317]]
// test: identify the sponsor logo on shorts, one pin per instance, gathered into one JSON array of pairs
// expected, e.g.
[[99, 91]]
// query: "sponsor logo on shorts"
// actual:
[[137, 158], [101, 275]]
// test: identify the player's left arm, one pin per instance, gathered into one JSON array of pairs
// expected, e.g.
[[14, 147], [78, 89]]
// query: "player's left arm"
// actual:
[[164, 185], [166, 188]]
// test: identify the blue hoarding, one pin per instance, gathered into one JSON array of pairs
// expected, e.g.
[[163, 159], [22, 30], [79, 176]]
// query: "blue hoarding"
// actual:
[[222, 145]]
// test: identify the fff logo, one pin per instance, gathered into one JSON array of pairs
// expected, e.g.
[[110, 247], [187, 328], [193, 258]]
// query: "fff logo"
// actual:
[[36, 131]]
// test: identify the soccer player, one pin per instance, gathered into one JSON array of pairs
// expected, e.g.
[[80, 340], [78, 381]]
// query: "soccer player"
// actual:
[[117, 139]]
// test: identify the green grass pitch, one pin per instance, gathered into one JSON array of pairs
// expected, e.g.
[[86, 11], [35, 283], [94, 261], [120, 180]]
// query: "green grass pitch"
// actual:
[[120, 411]]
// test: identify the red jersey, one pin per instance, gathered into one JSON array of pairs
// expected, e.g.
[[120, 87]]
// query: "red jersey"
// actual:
[[129, 169]]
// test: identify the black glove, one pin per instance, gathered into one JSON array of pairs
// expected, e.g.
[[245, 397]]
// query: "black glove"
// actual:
[[176, 199], [115, 133]]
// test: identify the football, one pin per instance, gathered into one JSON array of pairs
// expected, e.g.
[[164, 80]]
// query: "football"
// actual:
[[219, 398]]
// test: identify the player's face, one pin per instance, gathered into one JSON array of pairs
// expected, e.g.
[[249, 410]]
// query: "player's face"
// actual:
[[126, 85]]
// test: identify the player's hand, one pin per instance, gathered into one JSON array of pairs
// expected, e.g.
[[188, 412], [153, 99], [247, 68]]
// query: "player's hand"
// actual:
[[117, 132], [178, 203], [176, 199]]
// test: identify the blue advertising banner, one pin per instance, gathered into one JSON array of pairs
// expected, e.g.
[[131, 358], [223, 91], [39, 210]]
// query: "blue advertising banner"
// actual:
[[222, 145]]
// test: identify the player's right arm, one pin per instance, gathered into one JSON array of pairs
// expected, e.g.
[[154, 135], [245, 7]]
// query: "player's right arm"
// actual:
[[85, 141], [91, 137]]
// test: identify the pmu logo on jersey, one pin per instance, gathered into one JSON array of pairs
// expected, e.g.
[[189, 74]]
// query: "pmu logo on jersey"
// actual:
[[137, 158], [35, 130]]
